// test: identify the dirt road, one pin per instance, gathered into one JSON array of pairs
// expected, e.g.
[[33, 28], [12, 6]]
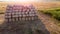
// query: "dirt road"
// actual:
[[1, 18], [53, 28]]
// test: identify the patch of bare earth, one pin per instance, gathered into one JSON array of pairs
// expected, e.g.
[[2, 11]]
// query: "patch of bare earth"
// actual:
[[1, 18], [49, 23]]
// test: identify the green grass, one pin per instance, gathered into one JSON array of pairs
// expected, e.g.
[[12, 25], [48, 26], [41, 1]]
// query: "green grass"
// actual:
[[54, 12]]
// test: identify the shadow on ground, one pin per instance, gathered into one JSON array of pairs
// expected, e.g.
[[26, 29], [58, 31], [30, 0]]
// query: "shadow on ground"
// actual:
[[23, 27]]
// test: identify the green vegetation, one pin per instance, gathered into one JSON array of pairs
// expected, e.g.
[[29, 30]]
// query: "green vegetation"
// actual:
[[52, 12]]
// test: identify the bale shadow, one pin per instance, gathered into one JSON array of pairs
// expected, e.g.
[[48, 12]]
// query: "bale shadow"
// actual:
[[24, 27]]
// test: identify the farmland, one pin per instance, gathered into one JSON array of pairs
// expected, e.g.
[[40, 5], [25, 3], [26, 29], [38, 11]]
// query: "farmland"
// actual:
[[52, 10]]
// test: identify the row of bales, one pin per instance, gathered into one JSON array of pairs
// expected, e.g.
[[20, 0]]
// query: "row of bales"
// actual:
[[20, 12]]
